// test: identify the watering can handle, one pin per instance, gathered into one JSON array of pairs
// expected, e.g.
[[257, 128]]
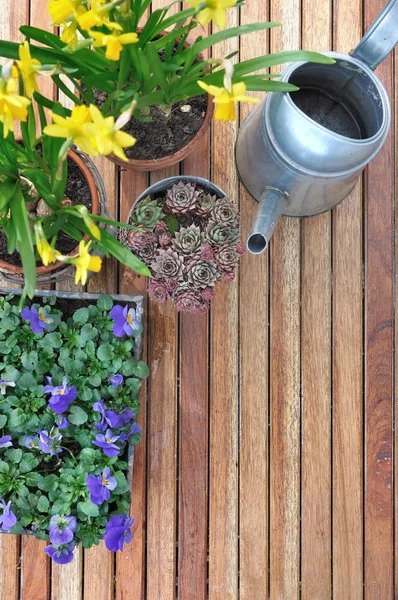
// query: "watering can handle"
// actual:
[[381, 38]]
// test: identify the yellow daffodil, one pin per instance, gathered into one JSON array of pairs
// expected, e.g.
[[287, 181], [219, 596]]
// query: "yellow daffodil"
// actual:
[[74, 128], [97, 15], [69, 35], [225, 99], [114, 42], [91, 226], [46, 252], [28, 68], [108, 139], [84, 262], [214, 10], [60, 10], [12, 106]]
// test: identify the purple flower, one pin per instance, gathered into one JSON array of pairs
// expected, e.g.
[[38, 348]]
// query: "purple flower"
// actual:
[[62, 529], [61, 396], [118, 531], [5, 441], [39, 319], [100, 487], [106, 442], [110, 418], [125, 320], [30, 441], [49, 444], [134, 429], [64, 423], [62, 555], [4, 384], [7, 518], [116, 380]]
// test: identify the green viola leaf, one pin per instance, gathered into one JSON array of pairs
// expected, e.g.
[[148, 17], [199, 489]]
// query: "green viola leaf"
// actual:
[[105, 352], [49, 483], [77, 416], [104, 302], [3, 420], [33, 479], [81, 316], [29, 360], [89, 508], [43, 504], [26, 381], [17, 529], [141, 370], [14, 455], [122, 484], [16, 418], [129, 366], [4, 467], [28, 463]]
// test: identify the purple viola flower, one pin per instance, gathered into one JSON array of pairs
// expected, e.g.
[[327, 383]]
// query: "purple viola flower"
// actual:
[[134, 429], [7, 518], [125, 320], [49, 443], [106, 442], [118, 532], [100, 487], [4, 384], [61, 395], [5, 441], [62, 555], [39, 319], [64, 423], [116, 380], [30, 441], [110, 418], [62, 529]]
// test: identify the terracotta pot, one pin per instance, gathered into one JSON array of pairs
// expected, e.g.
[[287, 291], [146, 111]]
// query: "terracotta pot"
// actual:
[[167, 161], [44, 273]]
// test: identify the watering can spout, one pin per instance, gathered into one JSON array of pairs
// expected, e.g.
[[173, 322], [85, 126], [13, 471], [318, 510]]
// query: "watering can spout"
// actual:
[[270, 208]]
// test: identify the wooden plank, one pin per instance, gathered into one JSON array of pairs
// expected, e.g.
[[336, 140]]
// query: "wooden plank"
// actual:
[[285, 370], [254, 357], [193, 442], [316, 543], [130, 565], [223, 492], [347, 525], [379, 372], [10, 20], [67, 580], [35, 570], [395, 129]]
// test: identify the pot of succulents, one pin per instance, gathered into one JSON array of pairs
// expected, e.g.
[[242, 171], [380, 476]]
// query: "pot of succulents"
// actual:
[[189, 237], [113, 56], [47, 191], [69, 382]]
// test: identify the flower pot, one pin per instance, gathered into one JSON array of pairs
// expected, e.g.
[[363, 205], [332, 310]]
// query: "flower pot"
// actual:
[[60, 271], [168, 161], [65, 301], [189, 256]]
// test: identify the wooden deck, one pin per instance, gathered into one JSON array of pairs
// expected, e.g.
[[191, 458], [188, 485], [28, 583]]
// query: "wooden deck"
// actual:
[[266, 468]]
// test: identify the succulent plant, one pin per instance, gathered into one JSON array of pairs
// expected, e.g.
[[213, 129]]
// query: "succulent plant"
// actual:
[[202, 273], [191, 301], [142, 243], [221, 233], [171, 285], [188, 239], [206, 251], [205, 204], [181, 197], [158, 291], [148, 213], [167, 264], [226, 257], [165, 239], [224, 212]]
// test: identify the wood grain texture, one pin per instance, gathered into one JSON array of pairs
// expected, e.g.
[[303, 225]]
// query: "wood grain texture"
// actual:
[[162, 444], [35, 570], [316, 508], [285, 370], [254, 359], [99, 566], [67, 580], [347, 526], [223, 516], [130, 565], [193, 433], [379, 372]]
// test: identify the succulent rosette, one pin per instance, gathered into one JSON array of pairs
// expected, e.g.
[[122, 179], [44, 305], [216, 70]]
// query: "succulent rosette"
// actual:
[[193, 244]]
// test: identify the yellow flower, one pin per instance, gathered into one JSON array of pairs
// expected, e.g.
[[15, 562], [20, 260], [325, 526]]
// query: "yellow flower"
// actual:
[[84, 262], [74, 128], [46, 252], [91, 226], [12, 106], [108, 139], [215, 10], [61, 9], [97, 15], [69, 35], [114, 42], [225, 100], [28, 67]]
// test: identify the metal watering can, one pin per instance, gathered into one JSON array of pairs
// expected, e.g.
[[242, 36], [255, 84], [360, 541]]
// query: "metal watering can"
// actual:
[[299, 154]]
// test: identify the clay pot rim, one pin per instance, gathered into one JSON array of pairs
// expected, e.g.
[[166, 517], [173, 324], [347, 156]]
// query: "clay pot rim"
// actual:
[[95, 209]]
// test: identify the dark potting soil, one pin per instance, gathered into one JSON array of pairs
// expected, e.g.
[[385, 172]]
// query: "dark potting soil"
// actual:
[[163, 135], [78, 192]]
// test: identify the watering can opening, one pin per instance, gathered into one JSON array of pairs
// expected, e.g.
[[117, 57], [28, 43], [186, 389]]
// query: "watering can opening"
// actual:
[[256, 243]]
